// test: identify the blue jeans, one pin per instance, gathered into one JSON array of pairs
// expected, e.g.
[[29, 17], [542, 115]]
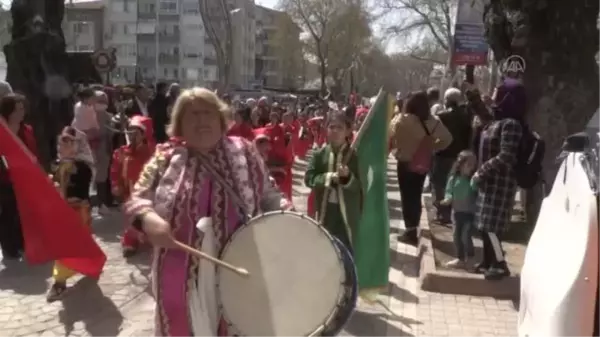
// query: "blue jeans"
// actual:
[[463, 234]]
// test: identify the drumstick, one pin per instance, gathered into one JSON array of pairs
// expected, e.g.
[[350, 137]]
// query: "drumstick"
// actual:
[[238, 270]]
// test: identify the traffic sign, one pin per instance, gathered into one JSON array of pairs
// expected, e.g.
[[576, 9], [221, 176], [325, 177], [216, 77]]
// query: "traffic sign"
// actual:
[[105, 60]]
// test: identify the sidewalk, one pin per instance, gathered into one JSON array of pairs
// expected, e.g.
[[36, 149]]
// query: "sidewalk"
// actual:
[[120, 303]]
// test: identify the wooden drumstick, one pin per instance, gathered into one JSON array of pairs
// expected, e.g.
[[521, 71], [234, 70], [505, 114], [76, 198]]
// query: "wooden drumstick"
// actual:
[[238, 270]]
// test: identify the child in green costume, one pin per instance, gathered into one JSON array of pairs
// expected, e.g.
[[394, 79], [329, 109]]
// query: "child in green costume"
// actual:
[[333, 176]]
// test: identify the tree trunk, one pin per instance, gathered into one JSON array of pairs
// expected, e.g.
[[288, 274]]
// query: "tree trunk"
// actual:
[[558, 40], [323, 74]]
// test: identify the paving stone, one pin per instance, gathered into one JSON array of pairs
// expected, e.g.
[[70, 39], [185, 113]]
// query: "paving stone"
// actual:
[[119, 304]]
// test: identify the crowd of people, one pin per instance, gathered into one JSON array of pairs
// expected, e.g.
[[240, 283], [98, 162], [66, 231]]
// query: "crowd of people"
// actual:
[[472, 148], [171, 157]]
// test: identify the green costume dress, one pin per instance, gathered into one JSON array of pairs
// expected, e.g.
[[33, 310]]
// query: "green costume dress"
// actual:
[[338, 205]]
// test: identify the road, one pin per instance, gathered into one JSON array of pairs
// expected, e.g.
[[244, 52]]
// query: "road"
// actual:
[[120, 304]]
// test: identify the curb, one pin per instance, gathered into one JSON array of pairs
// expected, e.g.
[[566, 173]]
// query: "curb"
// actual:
[[455, 282]]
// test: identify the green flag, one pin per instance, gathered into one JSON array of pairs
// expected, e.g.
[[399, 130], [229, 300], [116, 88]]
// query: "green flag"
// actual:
[[372, 239]]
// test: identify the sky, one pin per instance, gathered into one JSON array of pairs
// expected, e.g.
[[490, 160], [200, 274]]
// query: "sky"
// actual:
[[267, 3]]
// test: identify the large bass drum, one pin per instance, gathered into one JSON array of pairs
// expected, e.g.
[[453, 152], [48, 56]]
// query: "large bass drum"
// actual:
[[302, 280]]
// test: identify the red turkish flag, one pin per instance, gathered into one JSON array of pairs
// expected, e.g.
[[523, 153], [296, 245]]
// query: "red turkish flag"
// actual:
[[52, 230]]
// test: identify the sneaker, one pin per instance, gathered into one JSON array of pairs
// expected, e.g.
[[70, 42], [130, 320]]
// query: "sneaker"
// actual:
[[456, 263], [497, 273], [11, 256], [480, 268], [409, 237], [56, 292]]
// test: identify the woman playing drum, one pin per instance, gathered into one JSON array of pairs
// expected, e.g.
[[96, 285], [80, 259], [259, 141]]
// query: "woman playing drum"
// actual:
[[198, 174]]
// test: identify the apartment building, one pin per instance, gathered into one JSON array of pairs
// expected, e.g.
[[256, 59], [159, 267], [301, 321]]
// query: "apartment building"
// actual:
[[120, 32], [278, 59], [240, 19], [167, 40], [83, 25]]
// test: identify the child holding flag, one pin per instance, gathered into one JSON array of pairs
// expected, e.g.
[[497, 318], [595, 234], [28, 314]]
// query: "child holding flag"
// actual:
[[334, 178]]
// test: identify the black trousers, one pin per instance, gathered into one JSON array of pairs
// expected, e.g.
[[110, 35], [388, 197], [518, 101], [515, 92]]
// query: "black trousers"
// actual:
[[441, 166], [411, 188], [493, 254], [11, 235], [104, 195]]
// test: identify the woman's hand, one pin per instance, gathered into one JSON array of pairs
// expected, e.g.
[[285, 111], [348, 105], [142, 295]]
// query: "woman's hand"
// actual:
[[157, 230], [475, 179]]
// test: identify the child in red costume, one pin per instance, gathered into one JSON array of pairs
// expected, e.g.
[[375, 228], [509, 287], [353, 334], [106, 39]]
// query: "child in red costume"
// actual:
[[305, 137], [278, 155], [127, 164], [241, 127], [319, 133], [263, 144], [291, 140]]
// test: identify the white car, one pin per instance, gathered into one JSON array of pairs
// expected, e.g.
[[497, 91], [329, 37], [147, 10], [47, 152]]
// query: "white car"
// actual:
[[559, 279]]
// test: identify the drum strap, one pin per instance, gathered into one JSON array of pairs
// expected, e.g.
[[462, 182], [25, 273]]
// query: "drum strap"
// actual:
[[236, 198]]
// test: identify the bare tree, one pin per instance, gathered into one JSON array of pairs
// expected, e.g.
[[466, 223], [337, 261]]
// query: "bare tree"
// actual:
[[217, 22], [428, 20], [326, 22], [289, 50]]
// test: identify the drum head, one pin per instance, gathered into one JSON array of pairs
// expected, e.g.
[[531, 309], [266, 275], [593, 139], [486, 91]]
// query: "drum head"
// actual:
[[296, 277]]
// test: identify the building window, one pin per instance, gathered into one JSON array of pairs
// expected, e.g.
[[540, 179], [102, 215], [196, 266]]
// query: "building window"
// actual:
[[193, 27], [81, 27], [191, 8], [176, 51], [168, 7], [118, 6], [176, 73]]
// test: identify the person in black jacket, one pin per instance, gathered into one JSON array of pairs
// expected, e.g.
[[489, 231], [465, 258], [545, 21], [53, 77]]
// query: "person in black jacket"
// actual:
[[158, 112], [457, 119]]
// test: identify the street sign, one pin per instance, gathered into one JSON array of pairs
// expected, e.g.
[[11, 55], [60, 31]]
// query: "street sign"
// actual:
[[105, 60]]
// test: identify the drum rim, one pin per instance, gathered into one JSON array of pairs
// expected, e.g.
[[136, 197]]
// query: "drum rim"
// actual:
[[228, 242]]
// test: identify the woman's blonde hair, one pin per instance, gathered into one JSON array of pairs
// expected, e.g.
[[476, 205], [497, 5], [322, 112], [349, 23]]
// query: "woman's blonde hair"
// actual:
[[189, 97]]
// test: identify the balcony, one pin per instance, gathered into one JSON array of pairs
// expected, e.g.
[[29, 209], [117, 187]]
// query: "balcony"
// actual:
[[162, 37], [168, 59], [210, 61], [147, 15]]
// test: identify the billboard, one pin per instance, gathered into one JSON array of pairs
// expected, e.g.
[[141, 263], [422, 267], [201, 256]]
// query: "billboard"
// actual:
[[470, 46]]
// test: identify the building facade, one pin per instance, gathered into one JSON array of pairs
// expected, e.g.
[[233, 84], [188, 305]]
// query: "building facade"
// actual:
[[278, 58], [166, 40], [83, 26]]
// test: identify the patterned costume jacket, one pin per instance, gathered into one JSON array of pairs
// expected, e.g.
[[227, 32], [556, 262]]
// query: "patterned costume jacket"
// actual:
[[176, 185]]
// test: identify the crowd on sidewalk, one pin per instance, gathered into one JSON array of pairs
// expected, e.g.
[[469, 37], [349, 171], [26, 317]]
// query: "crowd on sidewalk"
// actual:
[[149, 150]]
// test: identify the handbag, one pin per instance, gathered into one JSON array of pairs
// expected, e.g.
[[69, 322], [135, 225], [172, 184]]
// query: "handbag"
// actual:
[[421, 160]]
